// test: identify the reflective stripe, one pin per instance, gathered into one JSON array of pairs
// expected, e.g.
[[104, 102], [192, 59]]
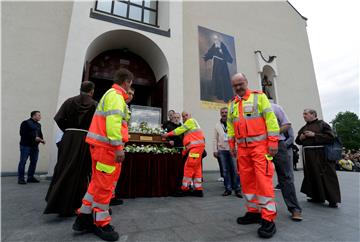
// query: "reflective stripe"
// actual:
[[273, 133], [85, 209], [197, 185], [252, 205], [185, 127], [266, 110], [116, 142], [124, 122], [105, 168], [249, 197], [236, 119], [197, 180], [264, 200], [103, 103], [88, 197], [252, 139], [191, 131], [256, 109], [104, 139], [232, 107], [185, 184], [110, 112], [269, 206], [196, 123], [195, 143], [187, 179], [102, 206], [101, 216], [194, 155]]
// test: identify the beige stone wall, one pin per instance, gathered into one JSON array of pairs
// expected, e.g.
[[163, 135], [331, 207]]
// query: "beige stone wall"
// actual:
[[34, 36], [272, 27]]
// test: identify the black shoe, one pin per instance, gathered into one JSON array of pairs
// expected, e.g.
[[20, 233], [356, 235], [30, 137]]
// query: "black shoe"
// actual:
[[249, 218], [21, 182], [277, 187], [238, 194], [333, 205], [106, 233], [84, 223], [197, 193], [179, 193], [267, 229], [312, 200], [116, 201], [226, 193], [32, 180]]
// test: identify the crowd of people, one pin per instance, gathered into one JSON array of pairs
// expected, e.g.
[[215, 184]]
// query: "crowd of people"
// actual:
[[350, 161], [253, 138]]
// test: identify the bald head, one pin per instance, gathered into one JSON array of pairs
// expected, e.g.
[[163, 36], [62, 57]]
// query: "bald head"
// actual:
[[185, 116], [239, 83]]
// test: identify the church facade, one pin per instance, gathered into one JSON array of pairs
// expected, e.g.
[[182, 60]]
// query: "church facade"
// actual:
[[182, 55]]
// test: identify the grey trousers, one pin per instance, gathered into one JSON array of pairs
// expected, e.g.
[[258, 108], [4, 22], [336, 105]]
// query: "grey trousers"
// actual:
[[284, 170]]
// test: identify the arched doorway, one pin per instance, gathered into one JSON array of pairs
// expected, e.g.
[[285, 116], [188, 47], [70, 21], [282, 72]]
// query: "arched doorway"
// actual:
[[268, 82], [139, 54]]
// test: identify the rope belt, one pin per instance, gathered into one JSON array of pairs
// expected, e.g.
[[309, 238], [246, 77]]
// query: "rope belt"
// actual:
[[74, 129]]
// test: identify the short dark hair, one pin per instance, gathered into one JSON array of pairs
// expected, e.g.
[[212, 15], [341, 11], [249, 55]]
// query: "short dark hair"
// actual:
[[311, 111], [122, 75], [223, 108], [33, 113], [87, 86]]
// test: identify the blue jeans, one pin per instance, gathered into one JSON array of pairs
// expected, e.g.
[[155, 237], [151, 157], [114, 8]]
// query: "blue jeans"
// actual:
[[25, 152], [230, 174]]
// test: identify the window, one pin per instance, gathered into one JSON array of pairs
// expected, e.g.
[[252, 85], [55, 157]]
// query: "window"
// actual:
[[143, 11]]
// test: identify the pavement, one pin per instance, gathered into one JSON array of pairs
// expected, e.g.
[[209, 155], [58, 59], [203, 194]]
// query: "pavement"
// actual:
[[211, 218]]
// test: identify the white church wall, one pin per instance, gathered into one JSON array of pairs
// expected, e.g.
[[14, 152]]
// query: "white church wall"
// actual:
[[34, 36], [272, 27]]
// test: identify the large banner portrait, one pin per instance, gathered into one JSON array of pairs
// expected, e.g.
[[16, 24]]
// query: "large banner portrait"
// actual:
[[217, 65]]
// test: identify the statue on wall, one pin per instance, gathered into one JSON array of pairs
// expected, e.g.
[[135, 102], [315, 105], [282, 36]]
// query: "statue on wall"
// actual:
[[267, 87]]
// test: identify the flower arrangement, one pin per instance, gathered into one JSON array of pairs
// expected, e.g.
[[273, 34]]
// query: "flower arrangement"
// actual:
[[144, 128], [161, 149]]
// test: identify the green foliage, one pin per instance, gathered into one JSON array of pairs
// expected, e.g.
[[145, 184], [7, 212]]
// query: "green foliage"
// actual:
[[347, 126]]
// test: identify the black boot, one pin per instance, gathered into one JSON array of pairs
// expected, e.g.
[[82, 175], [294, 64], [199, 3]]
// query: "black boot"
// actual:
[[106, 233], [84, 223], [116, 201], [267, 229], [197, 193], [249, 218]]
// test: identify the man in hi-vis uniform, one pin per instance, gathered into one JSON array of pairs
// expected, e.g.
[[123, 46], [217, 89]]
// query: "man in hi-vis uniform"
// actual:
[[105, 138], [253, 126], [194, 146]]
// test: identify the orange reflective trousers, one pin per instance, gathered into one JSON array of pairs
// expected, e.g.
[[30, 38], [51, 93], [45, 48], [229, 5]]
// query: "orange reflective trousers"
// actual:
[[256, 173], [193, 169], [102, 185]]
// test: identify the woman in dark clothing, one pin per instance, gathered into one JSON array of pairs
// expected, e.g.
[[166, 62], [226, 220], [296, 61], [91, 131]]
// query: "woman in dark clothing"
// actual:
[[320, 180]]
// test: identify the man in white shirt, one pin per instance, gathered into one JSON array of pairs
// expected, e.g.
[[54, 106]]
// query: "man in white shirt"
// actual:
[[222, 152]]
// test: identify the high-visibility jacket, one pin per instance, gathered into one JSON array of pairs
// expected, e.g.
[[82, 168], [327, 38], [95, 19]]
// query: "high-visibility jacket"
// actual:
[[107, 124], [124, 128], [193, 135], [251, 121]]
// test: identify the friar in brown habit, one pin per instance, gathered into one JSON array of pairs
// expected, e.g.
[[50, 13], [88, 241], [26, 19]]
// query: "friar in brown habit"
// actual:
[[73, 168], [320, 180]]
